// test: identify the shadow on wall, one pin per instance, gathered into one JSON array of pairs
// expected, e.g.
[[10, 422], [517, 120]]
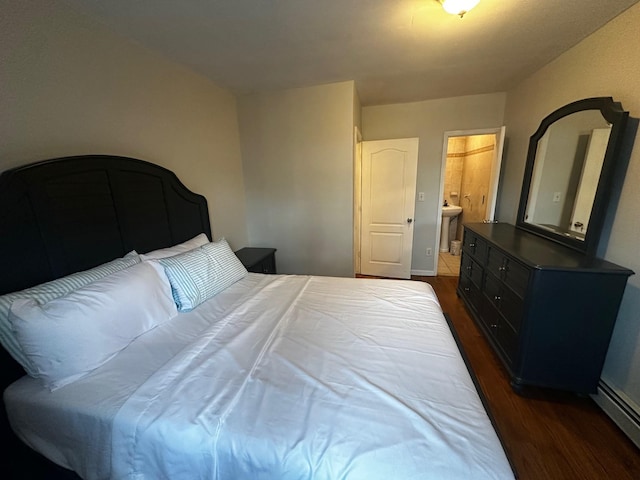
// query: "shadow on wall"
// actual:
[[616, 185], [616, 372]]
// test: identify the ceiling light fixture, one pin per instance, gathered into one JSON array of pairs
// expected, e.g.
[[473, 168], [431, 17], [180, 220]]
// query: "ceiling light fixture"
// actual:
[[458, 7]]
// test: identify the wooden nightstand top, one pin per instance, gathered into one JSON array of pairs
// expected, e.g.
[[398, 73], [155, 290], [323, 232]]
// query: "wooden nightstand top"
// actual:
[[259, 260]]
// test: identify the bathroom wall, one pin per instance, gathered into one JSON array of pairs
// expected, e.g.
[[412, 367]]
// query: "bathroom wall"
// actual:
[[467, 174], [476, 174], [453, 170]]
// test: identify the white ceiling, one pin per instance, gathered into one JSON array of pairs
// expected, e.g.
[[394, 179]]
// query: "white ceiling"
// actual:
[[395, 50]]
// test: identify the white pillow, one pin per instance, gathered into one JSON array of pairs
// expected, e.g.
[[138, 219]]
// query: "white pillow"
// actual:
[[201, 273], [195, 242], [68, 337], [48, 291]]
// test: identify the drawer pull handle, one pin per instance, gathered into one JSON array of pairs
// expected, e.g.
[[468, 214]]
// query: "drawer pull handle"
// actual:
[[469, 268], [502, 269], [472, 245], [467, 289], [494, 325], [496, 298]]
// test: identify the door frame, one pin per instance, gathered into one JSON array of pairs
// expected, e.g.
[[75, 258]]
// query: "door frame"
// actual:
[[357, 197], [496, 166]]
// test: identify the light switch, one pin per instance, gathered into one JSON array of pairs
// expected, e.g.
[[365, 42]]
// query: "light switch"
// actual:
[[421, 196], [556, 197]]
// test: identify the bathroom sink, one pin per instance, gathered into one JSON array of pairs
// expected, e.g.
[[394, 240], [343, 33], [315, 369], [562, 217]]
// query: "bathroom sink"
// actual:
[[451, 210], [448, 212]]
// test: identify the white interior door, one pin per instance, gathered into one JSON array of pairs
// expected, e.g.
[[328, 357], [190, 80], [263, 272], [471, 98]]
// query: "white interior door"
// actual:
[[389, 171]]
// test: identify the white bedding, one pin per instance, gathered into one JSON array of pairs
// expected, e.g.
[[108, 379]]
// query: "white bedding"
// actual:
[[277, 377]]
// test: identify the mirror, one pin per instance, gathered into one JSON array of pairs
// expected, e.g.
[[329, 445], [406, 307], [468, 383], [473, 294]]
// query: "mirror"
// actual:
[[570, 165]]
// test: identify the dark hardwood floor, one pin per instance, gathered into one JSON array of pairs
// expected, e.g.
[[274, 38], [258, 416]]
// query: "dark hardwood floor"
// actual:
[[548, 435]]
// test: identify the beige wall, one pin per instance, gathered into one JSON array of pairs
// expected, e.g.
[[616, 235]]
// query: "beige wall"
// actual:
[[428, 121], [68, 86], [297, 150], [604, 64]]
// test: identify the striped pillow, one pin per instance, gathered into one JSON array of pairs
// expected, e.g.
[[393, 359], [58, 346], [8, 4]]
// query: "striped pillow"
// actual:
[[46, 292], [201, 273]]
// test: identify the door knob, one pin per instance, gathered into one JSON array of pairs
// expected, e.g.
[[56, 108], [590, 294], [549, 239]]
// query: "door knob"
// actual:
[[409, 220]]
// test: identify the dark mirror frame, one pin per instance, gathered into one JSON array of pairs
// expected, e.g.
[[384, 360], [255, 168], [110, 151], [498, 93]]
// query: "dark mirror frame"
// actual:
[[614, 114]]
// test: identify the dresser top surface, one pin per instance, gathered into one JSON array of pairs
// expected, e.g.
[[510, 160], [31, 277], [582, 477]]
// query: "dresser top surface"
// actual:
[[541, 253]]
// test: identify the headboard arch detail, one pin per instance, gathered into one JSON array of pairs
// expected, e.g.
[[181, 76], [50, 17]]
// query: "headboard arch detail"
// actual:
[[69, 214]]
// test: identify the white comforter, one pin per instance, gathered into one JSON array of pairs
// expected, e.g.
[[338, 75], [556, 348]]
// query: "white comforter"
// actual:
[[297, 377]]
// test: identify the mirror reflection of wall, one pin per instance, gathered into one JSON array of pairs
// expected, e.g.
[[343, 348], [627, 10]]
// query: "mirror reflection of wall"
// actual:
[[467, 178], [589, 177], [564, 183]]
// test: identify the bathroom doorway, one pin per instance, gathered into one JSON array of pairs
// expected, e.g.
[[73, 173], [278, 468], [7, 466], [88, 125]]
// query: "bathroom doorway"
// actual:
[[471, 164]]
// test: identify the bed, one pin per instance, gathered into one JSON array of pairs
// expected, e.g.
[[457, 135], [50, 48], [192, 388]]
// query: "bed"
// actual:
[[268, 377]]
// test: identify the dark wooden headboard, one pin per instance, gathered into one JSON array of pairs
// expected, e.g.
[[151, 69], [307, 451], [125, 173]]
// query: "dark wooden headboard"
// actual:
[[69, 214]]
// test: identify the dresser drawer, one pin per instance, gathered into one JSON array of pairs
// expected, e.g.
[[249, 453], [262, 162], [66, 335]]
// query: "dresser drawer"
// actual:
[[508, 341], [490, 317], [492, 289], [470, 292], [475, 246], [504, 300], [471, 269], [512, 307], [512, 273], [503, 335]]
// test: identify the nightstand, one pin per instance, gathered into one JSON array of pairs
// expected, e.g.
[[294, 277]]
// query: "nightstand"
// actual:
[[258, 260]]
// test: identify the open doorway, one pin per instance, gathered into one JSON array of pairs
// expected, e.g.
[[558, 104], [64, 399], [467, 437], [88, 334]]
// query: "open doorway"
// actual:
[[471, 163]]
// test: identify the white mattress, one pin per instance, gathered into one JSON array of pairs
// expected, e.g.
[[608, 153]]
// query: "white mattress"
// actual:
[[277, 377]]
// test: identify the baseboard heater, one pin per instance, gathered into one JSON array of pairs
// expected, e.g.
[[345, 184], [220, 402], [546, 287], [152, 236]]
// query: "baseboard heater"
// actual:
[[619, 410]]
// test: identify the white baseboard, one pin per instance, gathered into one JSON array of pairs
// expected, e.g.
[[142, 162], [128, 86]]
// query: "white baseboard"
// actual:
[[423, 273], [620, 409]]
